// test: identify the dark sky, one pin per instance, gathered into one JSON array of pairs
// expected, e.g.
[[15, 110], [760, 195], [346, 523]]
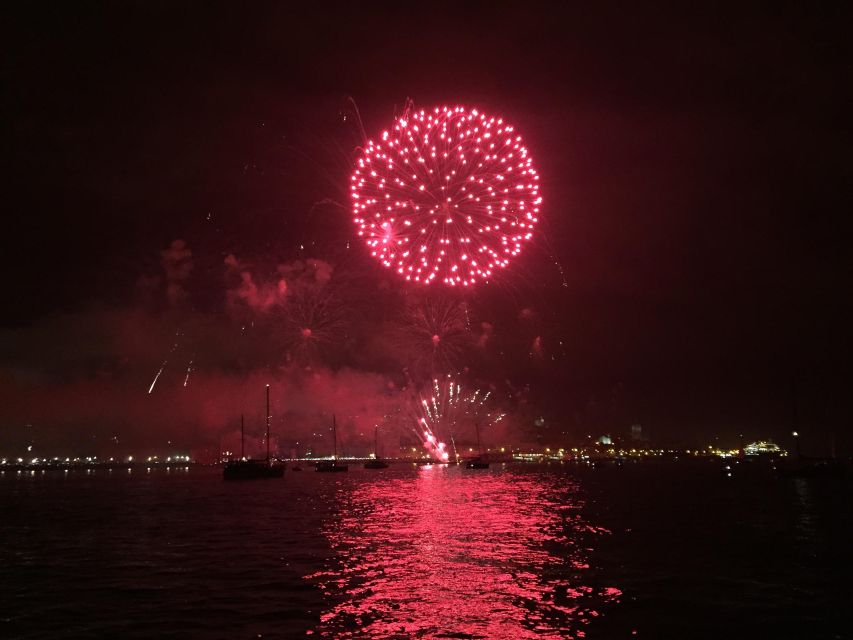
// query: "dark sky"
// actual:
[[696, 171]]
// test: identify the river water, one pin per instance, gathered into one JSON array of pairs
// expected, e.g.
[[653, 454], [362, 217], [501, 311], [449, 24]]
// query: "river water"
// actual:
[[647, 550]]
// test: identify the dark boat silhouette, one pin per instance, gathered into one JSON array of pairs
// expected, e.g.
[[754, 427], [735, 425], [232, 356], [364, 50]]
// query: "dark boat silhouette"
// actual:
[[479, 461], [252, 470], [244, 469], [377, 462], [802, 466], [332, 465]]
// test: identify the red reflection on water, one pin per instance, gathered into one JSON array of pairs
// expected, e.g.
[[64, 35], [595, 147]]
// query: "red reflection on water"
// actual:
[[460, 554]]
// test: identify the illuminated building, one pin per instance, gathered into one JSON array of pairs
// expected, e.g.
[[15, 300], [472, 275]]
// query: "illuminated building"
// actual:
[[763, 448]]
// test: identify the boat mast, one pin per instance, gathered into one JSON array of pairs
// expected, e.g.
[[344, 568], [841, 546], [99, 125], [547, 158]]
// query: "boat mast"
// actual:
[[268, 423], [335, 437], [477, 428], [242, 440], [796, 416], [376, 442]]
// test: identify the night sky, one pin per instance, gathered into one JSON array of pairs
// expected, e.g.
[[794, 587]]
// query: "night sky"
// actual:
[[693, 258]]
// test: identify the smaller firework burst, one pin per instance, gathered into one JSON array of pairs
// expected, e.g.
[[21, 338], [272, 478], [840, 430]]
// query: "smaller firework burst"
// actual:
[[310, 323], [434, 334], [449, 412]]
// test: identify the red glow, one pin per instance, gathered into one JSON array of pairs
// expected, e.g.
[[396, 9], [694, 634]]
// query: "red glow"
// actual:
[[447, 195], [456, 555]]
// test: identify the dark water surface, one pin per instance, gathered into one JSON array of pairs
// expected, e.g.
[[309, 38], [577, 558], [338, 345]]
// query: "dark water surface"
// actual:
[[652, 551]]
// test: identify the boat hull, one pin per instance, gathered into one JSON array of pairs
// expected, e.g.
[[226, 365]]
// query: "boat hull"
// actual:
[[330, 466], [251, 470], [476, 463], [375, 464]]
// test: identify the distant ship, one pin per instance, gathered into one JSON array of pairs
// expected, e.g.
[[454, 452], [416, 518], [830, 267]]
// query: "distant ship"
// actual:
[[244, 469], [377, 462], [332, 465], [480, 461]]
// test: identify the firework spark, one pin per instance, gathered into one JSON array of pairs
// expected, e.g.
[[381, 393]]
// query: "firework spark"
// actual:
[[448, 195]]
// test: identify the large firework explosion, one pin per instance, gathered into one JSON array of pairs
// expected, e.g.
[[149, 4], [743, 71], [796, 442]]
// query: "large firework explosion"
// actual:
[[448, 195]]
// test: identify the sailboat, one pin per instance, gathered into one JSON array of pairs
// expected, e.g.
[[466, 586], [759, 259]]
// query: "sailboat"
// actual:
[[332, 465], [247, 469], [480, 461], [377, 462]]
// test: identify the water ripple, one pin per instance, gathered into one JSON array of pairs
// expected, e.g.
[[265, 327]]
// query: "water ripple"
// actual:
[[453, 553]]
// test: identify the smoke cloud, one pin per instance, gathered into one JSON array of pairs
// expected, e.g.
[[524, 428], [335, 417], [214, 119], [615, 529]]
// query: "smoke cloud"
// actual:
[[164, 372]]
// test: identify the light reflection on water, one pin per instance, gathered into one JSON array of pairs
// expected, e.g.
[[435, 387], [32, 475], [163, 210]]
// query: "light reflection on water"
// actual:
[[414, 553], [459, 553]]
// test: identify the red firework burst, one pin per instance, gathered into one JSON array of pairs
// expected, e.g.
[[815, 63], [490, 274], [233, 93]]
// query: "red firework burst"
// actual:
[[448, 195]]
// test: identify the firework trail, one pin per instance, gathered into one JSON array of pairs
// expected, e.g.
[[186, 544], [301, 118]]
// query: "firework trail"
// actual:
[[189, 371], [448, 412], [447, 195], [156, 377], [165, 362], [349, 103], [556, 262]]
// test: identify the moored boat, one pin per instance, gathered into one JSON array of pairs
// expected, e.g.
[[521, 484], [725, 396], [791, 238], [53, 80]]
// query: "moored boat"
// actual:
[[479, 461], [376, 462], [247, 469], [332, 465]]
